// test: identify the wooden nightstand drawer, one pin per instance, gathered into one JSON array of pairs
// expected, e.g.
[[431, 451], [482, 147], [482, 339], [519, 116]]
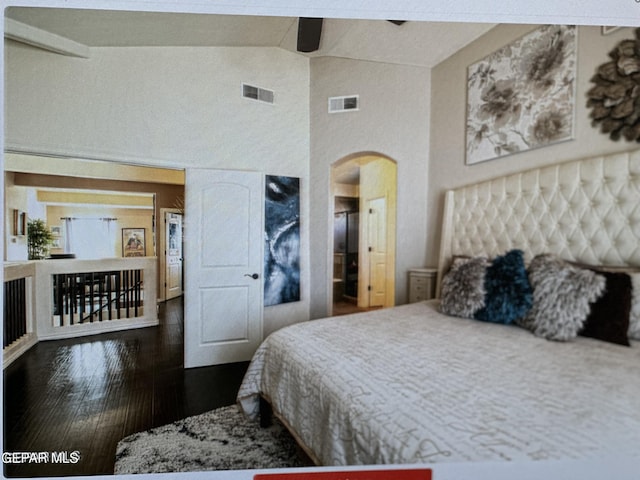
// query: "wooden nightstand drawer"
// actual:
[[420, 281]]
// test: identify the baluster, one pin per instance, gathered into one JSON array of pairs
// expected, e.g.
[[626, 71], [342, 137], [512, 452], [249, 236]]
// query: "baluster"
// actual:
[[7, 315], [14, 320], [101, 280], [92, 307], [129, 293], [12, 303], [8, 326], [59, 284], [22, 306], [109, 280], [126, 292], [16, 309], [137, 291], [132, 292], [118, 293], [72, 297], [69, 296]]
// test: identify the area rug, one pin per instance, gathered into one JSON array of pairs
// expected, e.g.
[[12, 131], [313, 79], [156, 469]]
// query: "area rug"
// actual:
[[222, 439]]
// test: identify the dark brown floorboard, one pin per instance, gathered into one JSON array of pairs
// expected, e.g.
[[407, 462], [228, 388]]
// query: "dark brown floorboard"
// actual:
[[87, 394], [343, 307]]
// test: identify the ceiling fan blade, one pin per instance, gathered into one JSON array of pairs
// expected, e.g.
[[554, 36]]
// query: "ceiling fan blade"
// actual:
[[309, 33], [397, 22]]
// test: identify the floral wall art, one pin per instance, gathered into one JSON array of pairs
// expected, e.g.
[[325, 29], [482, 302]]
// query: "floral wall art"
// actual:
[[522, 96]]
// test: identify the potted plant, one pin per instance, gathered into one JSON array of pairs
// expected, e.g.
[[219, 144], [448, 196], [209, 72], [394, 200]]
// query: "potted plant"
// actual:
[[39, 239]]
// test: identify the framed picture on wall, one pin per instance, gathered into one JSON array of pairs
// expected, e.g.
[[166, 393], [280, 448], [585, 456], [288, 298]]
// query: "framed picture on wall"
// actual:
[[133, 242], [522, 96], [282, 240], [19, 223]]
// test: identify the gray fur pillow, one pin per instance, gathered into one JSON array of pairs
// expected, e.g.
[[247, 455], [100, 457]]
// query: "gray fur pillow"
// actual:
[[561, 297], [463, 287]]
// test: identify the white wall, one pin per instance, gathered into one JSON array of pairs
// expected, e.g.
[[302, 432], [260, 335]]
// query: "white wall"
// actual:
[[174, 107], [447, 167], [393, 120]]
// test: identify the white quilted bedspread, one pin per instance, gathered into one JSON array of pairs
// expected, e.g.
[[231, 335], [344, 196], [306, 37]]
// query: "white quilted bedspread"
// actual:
[[409, 385]]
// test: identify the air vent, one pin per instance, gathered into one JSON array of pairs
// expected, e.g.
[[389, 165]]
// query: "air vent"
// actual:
[[343, 104], [257, 93]]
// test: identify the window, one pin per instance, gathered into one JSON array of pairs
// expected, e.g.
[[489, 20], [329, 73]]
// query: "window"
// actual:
[[90, 237]]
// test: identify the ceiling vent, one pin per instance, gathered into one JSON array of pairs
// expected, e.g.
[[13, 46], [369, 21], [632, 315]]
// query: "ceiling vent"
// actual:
[[348, 103], [257, 93]]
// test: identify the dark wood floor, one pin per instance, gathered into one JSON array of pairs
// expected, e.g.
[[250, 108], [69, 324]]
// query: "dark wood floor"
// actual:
[[87, 394], [344, 307]]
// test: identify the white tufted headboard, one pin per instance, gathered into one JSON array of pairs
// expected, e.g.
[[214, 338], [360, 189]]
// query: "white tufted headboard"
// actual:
[[585, 210]]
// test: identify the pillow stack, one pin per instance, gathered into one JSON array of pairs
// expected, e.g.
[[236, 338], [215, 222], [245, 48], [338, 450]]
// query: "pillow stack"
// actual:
[[552, 298], [493, 291]]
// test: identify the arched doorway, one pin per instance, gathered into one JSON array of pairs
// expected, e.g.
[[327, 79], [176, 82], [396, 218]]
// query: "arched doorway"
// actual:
[[364, 191]]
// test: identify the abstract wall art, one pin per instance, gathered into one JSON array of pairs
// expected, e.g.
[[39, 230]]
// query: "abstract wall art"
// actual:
[[522, 96], [282, 240]]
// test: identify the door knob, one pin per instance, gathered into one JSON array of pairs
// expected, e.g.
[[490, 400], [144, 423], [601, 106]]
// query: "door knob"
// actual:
[[252, 275]]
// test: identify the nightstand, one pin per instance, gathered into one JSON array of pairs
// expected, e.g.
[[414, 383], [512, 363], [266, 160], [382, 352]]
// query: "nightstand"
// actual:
[[422, 284]]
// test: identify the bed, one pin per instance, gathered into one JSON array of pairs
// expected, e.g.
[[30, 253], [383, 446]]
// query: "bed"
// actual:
[[411, 384]]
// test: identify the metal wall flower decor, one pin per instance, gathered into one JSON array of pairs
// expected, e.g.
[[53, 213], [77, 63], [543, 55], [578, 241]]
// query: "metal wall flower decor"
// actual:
[[615, 98], [522, 96]]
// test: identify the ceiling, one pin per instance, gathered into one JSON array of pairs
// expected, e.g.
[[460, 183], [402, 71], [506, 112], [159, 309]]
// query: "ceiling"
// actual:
[[412, 43], [416, 43]]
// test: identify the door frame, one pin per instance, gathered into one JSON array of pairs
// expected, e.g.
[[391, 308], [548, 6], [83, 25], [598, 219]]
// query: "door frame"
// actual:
[[163, 246], [356, 161]]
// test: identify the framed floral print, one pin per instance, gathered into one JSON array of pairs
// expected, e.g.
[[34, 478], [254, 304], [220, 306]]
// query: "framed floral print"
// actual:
[[522, 96]]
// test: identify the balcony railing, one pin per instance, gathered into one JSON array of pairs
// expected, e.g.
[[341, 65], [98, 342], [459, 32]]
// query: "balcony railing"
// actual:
[[15, 310], [19, 319], [49, 299], [97, 296]]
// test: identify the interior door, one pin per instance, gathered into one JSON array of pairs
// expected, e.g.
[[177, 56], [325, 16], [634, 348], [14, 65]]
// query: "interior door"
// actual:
[[223, 258], [377, 239], [173, 255]]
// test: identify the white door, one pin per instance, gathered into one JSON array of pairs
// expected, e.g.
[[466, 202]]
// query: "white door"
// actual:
[[173, 255], [223, 259], [377, 237]]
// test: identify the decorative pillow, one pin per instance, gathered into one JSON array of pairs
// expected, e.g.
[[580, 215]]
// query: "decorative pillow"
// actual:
[[562, 295], [634, 315], [609, 317], [508, 292], [463, 287], [634, 274]]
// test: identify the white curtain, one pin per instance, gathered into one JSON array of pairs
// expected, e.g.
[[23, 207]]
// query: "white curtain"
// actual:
[[90, 237]]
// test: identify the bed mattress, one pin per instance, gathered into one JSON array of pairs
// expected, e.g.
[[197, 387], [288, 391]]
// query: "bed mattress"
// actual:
[[410, 385]]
